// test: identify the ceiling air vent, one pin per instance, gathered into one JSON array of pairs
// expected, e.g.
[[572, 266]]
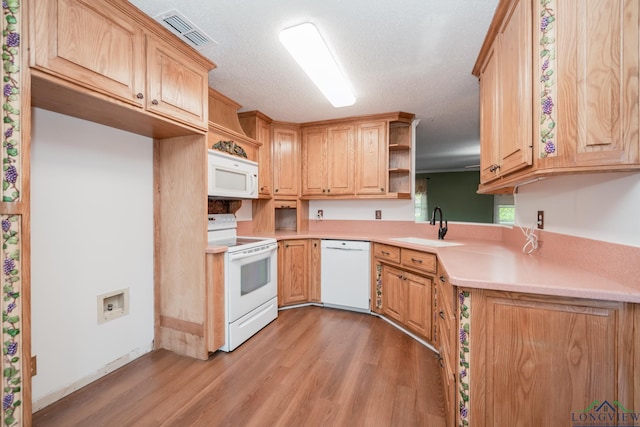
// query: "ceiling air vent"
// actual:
[[178, 24]]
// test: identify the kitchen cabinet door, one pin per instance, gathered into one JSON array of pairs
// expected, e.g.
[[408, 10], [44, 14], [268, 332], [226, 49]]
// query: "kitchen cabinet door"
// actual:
[[315, 268], [293, 272], [371, 158], [489, 101], [91, 44], [285, 161], [393, 293], [505, 97], [514, 89], [340, 166], [596, 73], [526, 345], [419, 304], [177, 87], [258, 126], [314, 161]]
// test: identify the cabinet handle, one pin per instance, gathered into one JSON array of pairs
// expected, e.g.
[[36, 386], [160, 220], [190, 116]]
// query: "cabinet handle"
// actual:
[[399, 276], [385, 253], [419, 261], [441, 362], [154, 102], [443, 279], [442, 314], [139, 95]]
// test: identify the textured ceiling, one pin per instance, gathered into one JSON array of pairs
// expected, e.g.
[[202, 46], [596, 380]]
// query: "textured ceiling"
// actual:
[[403, 55]]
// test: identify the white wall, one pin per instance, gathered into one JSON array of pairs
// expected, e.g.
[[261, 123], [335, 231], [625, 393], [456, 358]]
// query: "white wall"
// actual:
[[92, 233], [392, 210], [602, 206]]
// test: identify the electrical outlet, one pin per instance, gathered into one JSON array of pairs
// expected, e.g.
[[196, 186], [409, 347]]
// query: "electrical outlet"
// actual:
[[540, 220], [378, 214], [320, 214]]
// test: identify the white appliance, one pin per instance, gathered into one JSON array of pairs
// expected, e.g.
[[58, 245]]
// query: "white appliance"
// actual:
[[231, 177], [345, 275], [251, 280]]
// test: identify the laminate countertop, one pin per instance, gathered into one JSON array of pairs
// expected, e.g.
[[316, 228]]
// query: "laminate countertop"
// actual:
[[495, 266]]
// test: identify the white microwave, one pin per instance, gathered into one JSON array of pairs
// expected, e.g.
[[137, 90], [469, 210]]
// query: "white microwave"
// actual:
[[231, 177]]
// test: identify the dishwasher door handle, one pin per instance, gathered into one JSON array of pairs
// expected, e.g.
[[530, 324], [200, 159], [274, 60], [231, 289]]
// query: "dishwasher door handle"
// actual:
[[345, 249]]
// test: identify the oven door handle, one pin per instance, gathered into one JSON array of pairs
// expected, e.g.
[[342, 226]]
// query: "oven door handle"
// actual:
[[247, 254]]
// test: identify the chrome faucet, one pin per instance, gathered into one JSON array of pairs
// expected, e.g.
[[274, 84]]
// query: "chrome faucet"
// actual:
[[442, 230]]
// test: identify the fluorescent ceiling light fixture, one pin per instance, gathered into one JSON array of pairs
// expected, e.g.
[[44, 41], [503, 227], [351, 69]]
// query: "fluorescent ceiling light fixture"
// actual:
[[306, 46]]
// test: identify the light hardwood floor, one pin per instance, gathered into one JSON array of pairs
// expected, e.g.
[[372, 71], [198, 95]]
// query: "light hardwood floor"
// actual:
[[311, 367]]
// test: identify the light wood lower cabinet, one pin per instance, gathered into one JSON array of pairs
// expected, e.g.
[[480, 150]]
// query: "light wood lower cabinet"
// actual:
[[315, 254], [403, 295], [536, 360], [445, 339], [298, 271], [293, 272]]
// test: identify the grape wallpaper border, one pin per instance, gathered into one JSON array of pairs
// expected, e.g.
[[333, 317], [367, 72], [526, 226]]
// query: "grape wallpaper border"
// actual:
[[11, 309], [464, 316], [12, 274], [548, 95]]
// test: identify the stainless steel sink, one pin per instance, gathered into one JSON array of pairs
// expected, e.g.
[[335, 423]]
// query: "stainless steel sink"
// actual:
[[426, 242]]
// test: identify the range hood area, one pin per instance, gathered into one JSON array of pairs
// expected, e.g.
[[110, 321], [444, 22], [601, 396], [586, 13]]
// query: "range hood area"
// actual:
[[224, 126]]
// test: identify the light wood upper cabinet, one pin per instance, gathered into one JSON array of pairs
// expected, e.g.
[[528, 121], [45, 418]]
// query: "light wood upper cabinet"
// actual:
[[341, 159], [177, 88], [371, 158], [328, 166], [559, 90], [258, 126], [285, 160], [111, 48], [595, 92], [505, 88], [314, 155], [91, 44], [489, 142]]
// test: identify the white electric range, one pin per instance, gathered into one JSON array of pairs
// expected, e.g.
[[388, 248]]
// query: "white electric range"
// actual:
[[251, 284]]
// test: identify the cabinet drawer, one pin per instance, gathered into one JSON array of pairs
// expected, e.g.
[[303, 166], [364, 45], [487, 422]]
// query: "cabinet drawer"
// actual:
[[387, 252], [286, 204], [420, 260]]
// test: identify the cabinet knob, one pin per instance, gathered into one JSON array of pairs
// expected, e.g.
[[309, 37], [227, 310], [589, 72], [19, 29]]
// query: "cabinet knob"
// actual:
[[154, 102], [382, 189], [443, 279], [324, 191], [441, 362], [441, 314], [276, 190], [139, 95], [329, 190]]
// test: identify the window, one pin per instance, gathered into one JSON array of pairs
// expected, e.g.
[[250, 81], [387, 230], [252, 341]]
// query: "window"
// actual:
[[420, 200], [504, 209]]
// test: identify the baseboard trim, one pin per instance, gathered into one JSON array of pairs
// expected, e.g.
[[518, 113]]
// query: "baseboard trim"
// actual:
[[107, 369]]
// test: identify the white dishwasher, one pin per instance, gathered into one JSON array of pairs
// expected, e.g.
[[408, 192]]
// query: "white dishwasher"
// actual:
[[345, 275]]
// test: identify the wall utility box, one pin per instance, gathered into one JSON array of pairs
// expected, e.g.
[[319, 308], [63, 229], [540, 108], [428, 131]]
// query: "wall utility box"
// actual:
[[113, 305]]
